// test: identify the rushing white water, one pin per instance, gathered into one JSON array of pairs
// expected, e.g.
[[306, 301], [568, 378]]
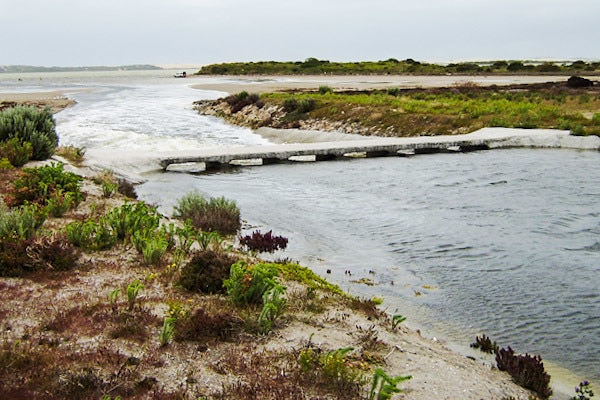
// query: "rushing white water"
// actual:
[[502, 242]]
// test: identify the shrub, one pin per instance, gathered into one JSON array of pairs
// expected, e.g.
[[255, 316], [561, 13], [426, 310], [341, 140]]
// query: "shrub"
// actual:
[[52, 253], [485, 344], [247, 284], [38, 184], [28, 124], [324, 89], [263, 242], [131, 218], [206, 271], [215, 214], [71, 153], [527, 371], [14, 261], [306, 105], [59, 203], [127, 189], [21, 222], [152, 244], [91, 235], [17, 152], [290, 104], [203, 324]]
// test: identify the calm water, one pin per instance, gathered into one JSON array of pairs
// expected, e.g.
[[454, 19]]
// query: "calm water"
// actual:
[[505, 242]]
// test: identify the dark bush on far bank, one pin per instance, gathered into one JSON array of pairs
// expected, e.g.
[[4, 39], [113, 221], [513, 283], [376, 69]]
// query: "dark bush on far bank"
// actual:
[[243, 99], [30, 125]]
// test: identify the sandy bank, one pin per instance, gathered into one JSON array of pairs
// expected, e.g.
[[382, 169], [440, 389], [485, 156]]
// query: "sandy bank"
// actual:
[[56, 100], [261, 84]]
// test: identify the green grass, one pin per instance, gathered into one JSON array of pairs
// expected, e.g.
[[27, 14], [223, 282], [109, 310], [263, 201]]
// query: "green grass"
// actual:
[[453, 110]]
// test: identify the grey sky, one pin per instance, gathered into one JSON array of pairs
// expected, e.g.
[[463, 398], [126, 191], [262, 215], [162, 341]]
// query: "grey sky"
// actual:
[[111, 32]]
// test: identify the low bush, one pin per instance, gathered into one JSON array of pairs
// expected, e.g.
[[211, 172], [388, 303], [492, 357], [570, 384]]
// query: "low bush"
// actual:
[[247, 284], [215, 214], [206, 271], [30, 125], [20, 222], [52, 253], [263, 242], [14, 261], [485, 344], [238, 101], [203, 324], [91, 235], [526, 370], [38, 184], [71, 153], [15, 151], [131, 218]]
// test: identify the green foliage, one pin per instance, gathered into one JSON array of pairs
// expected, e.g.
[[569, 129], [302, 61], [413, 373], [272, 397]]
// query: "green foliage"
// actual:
[[5, 164], [71, 153], [38, 185], [167, 331], [247, 284], [133, 291], [332, 369], [59, 203], [206, 240], [28, 124], [20, 222], [304, 275], [384, 386], [15, 151], [152, 244], [214, 214], [273, 306], [397, 320], [91, 235], [113, 296], [314, 66], [323, 89], [131, 218]]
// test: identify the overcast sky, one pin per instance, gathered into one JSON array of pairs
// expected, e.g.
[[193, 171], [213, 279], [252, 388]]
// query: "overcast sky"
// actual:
[[111, 32]]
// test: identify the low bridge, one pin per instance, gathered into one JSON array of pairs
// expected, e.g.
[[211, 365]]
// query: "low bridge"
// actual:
[[379, 147]]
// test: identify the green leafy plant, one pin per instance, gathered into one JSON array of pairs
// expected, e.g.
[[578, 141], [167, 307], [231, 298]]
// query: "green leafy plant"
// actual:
[[168, 330], [37, 185], [133, 291], [273, 306], [20, 222], [247, 284], [384, 386], [59, 203], [16, 152], [113, 297], [151, 244], [133, 217], [583, 391], [91, 235], [206, 240], [397, 320]]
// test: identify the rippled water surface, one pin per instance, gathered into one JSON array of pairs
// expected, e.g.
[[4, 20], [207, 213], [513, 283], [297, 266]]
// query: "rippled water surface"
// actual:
[[503, 242]]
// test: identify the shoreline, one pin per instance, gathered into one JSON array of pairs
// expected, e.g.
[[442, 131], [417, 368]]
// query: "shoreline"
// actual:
[[429, 343]]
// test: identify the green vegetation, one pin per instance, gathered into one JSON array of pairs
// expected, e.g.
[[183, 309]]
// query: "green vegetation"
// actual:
[[460, 109], [30, 133], [214, 214], [313, 66]]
